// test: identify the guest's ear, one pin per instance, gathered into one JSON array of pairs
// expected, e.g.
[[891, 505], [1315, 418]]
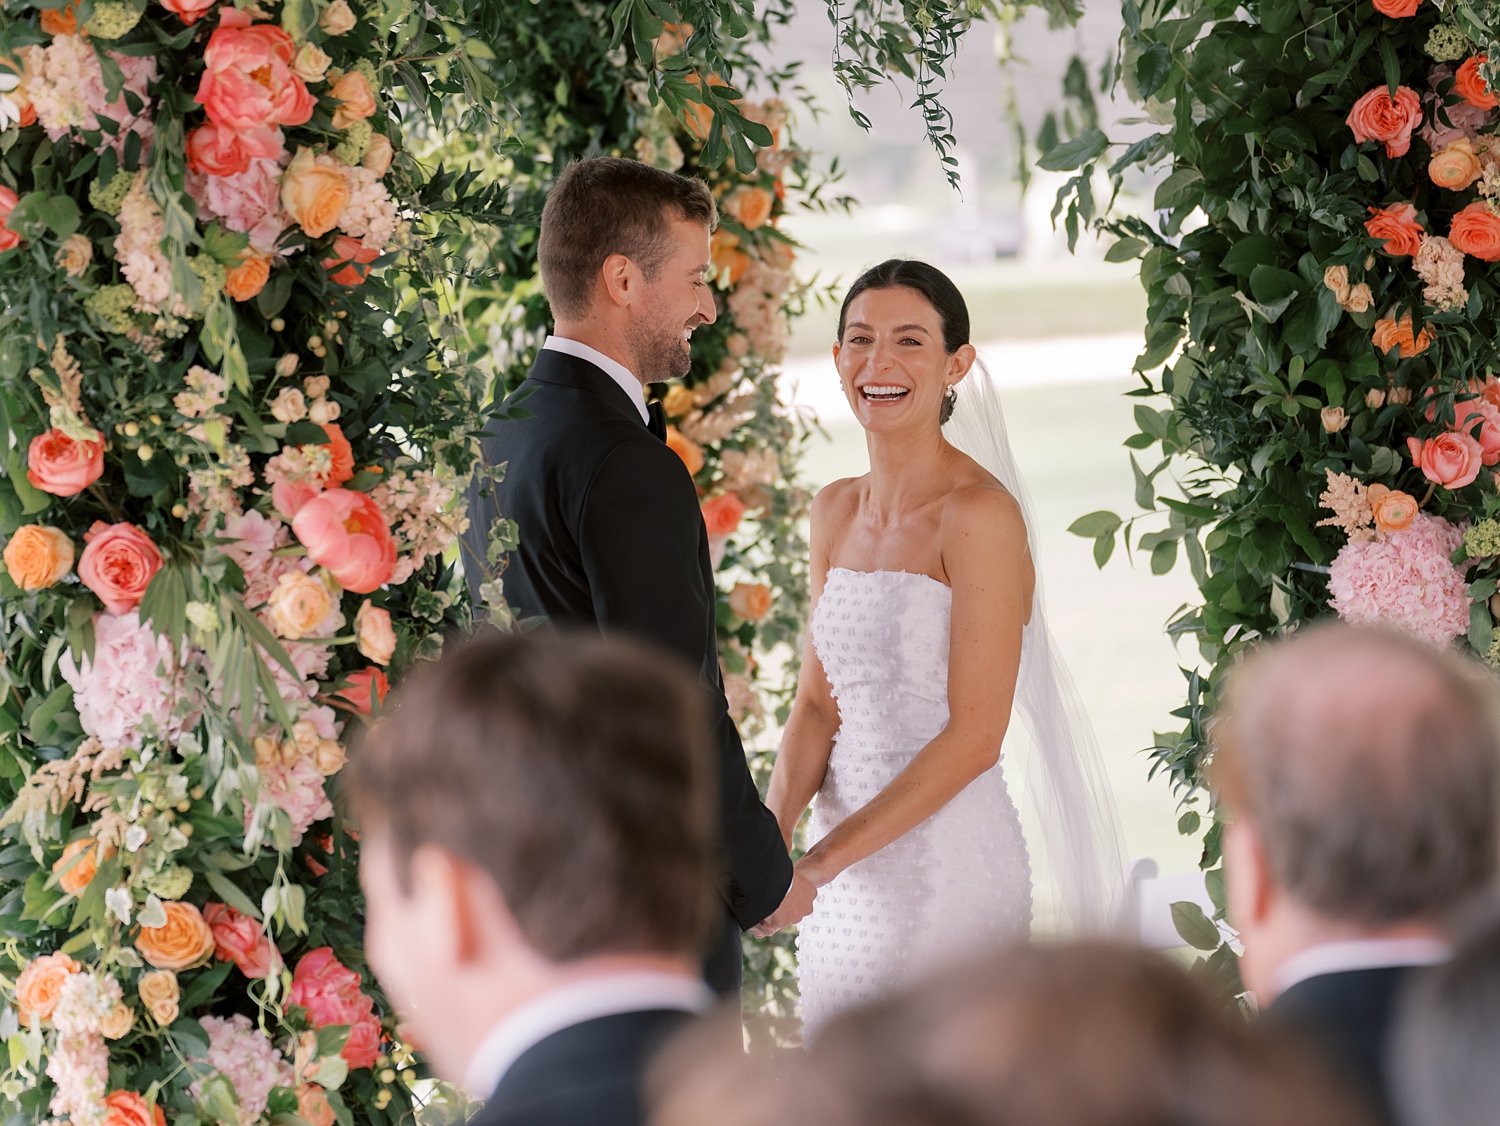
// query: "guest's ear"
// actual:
[[1247, 875]]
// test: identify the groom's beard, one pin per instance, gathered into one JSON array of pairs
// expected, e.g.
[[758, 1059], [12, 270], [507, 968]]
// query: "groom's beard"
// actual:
[[660, 351]]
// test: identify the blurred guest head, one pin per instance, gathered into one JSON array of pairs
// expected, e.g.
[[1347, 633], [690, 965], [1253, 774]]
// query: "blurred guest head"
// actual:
[[533, 809], [1447, 1038], [1076, 1035], [1358, 768]]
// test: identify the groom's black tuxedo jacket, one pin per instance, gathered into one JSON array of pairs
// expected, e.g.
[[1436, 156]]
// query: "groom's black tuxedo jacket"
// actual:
[[611, 536]]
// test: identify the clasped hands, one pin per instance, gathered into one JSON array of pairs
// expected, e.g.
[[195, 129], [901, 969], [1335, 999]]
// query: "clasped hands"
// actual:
[[797, 904]]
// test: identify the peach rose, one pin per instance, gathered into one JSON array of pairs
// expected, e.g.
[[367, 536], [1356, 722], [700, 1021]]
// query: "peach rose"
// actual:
[[1360, 298], [160, 994], [347, 533], [1451, 460], [364, 690], [183, 942], [1336, 279], [1470, 85], [379, 155], [248, 277], [1455, 166], [59, 21], [299, 606], [38, 556], [314, 192], [79, 864], [1476, 230], [1397, 227], [119, 1021], [313, 1105], [329, 757], [1393, 509], [750, 207], [289, 406], [118, 564], [1379, 117], [375, 637], [241, 940], [350, 262], [126, 1108], [40, 985], [218, 150], [723, 514], [1334, 419], [311, 63], [189, 11], [1398, 9], [356, 99], [9, 239], [337, 19], [1390, 332], [750, 601], [74, 255], [685, 448], [727, 257], [677, 402], [63, 466], [248, 81]]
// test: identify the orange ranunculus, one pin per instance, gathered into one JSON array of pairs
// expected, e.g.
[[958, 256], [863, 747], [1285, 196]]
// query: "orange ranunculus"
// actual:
[[729, 261], [1455, 166], [40, 985], [750, 601], [1393, 510], [59, 21], [341, 452], [356, 99], [1379, 117], [315, 191], [723, 514], [350, 262], [126, 1108], [1396, 226], [1451, 460], [698, 118], [1470, 85], [79, 864], [313, 1105], [374, 635], [118, 563], [685, 448], [750, 207], [38, 556], [181, 943], [248, 277], [1398, 9], [1476, 230], [364, 689], [1391, 332], [63, 466], [248, 81], [240, 939], [347, 533]]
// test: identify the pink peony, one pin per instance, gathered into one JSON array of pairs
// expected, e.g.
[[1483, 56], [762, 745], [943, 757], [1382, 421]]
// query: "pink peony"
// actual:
[[248, 82], [118, 564], [126, 690], [189, 11], [1406, 579], [246, 1057], [347, 533], [331, 994], [240, 939], [1450, 460]]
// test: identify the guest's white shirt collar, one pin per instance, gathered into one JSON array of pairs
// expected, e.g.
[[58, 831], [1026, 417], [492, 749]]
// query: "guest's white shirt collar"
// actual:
[[589, 999], [612, 368], [1360, 954]]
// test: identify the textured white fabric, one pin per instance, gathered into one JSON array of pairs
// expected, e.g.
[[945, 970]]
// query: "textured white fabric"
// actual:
[[957, 883]]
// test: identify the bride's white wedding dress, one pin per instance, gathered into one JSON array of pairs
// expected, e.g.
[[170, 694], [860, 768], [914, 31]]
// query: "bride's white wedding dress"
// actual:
[[958, 882]]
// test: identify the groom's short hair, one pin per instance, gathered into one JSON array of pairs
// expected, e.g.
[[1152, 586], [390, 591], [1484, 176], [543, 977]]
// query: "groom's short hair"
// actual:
[[608, 205], [573, 770]]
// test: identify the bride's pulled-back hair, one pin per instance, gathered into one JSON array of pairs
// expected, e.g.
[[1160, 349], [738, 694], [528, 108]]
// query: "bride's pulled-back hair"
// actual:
[[936, 286]]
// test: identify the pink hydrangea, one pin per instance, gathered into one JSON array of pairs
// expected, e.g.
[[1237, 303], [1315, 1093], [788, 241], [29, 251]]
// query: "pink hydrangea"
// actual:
[[249, 201], [128, 686], [247, 1058], [298, 789], [1405, 579], [66, 86], [251, 540], [331, 994]]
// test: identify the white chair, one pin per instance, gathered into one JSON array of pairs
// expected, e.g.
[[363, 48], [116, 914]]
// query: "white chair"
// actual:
[[1145, 910]]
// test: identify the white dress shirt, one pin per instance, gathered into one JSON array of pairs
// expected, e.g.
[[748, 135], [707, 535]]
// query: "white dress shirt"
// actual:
[[603, 996], [612, 368], [1360, 954]]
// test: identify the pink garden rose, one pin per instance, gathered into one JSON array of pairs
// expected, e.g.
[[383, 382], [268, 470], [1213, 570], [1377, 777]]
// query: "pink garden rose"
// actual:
[[1480, 420], [118, 564], [347, 533], [249, 82], [189, 11], [1450, 460], [9, 240], [1379, 117], [240, 939], [64, 466], [331, 994]]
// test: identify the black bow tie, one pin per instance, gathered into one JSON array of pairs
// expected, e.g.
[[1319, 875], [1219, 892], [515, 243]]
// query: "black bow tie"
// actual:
[[656, 420]]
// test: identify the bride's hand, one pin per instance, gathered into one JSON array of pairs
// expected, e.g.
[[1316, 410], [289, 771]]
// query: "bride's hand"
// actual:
[[812, 869]]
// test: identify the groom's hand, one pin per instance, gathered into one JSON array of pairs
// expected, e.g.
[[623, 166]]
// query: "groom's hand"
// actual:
[[794, 907]]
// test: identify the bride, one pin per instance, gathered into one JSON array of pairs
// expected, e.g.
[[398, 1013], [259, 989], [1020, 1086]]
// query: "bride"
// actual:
[[923, 635]]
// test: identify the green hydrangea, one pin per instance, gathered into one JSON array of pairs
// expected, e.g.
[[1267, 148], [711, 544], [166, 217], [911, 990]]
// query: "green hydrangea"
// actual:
[[210, 272], [114, 18], [112, 307], [171, 883], [1482, 539], [351, 150], [367, 68], [1446, 44], [108, 197]]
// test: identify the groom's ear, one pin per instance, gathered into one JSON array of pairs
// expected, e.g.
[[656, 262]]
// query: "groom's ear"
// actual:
[[621, 280]]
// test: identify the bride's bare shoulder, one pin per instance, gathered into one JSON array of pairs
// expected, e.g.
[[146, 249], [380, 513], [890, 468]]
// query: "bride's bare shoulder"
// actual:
[[982, 506], [838, 498]]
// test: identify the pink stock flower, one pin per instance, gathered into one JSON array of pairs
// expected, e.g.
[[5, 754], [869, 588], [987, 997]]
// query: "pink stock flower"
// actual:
[[248, 82], [331, 994], [347, 533], [1406, 579], [1450, 460]]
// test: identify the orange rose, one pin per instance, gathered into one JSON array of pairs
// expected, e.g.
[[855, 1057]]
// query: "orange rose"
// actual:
[[160, 994], [118, 563], [356, 99], [723, 514], [78, 864], [299, 606], [1379, 117], [313, 1105], [750, 207], [126, 1108], [750, 601], [698, 118], [183, 942], [685, 448], [1476, 230], [59, 21], [1393, 509], [1392, 333], [1471, 86], [314, 192], [38, 556], [64, 466], [1455, 166], [40, 985], [1397, 227], [249, 277], [1398, 9], [727, 257]]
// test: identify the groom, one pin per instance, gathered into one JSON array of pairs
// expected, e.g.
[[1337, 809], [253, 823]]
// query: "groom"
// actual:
[[607, 515]]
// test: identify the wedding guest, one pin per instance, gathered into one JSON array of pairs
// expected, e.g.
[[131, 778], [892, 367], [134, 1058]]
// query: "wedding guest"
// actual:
[[1358, 771], [1447, 1038], [536, 816], [1073, 1035]]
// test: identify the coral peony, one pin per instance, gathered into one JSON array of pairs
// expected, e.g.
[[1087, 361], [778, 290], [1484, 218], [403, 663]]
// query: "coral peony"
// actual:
[[62, 465], [1379, 117], [37, 556], [189, 11], [1405, 579], [248, 82], [1397, 228], [347, 533], [216, 150], [118, 564], [331, 994], [1480, 420]]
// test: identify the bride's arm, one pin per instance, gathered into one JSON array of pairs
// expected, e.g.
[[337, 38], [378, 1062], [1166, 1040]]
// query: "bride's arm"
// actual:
[[989, 569], [807, 740]]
